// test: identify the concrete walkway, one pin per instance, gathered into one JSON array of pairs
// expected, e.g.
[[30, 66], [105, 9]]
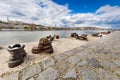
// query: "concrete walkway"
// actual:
[[97, 60]]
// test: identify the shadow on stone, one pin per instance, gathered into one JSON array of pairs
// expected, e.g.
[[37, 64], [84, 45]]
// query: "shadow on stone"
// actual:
[[94, 62]]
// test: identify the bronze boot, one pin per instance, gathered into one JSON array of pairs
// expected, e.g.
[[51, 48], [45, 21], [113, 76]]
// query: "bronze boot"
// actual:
[[43, 46], [17, 55]]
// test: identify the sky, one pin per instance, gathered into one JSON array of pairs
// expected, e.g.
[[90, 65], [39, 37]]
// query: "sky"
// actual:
[[63, 13]]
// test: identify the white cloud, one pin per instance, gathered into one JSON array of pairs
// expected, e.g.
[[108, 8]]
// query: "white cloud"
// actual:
[[47, 12], [106, 16], [38, 11]]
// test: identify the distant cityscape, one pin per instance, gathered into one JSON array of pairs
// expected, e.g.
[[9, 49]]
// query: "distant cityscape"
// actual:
[[21, 26]]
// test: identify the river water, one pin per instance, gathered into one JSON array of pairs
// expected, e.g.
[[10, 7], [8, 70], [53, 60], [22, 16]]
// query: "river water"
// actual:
[[12, 37]]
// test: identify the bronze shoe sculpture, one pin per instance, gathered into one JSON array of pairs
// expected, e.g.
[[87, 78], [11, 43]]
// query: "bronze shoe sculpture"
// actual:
[[97, 35], [17, 55], [1, 47], [105, 33], [82, 37], [50, 38], [74, 35], [43, 46]]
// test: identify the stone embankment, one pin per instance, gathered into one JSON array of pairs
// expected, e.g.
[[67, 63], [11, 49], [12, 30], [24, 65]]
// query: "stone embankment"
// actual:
[[97, 60]]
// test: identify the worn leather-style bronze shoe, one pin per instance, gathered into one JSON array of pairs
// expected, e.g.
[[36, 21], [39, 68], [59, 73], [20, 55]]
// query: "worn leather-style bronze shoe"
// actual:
[[17, 48], [15, 63], [37, 50], [44, 43], [49, 51], [43, 46], [17, 55]]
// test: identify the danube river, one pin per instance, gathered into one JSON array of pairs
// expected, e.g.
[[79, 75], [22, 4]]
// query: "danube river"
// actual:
[[12, 37]]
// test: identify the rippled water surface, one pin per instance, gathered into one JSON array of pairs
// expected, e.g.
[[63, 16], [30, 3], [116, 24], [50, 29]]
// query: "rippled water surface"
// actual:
[[10, 37]]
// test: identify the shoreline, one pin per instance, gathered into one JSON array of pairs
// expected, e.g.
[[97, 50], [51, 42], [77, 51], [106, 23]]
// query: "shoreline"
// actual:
[[60, 46]]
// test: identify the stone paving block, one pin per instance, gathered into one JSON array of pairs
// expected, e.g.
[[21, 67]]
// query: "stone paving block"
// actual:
[[13, 76], [118, 72], [116, 47], [108, 64], [113, 55], [73, 59], [49, 74], [70, 74], [68, 53], [75, 51], [103, 56], [117, 62], [82, 63], [60, 57], [94, 62], [64, 67], [88, 74], [117, 52], [30, 71], [106, 75], [106, 51], [82, 54], [98, 51], [48, 62]]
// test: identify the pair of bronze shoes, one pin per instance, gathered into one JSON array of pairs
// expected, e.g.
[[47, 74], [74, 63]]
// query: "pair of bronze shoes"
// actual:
[[82, 37], [97, 35], [43, 46], [74, 35], [17, 55]]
